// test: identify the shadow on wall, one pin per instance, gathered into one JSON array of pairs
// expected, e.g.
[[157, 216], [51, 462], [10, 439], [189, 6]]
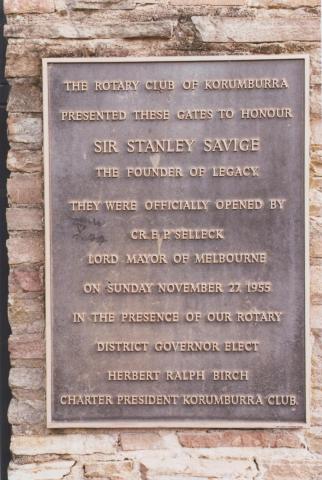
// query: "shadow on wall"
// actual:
[[4, 326]]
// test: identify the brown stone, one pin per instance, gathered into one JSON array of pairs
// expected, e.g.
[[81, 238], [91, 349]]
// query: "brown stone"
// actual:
[[316, 132], [209, 2], [141, 441], [103, 4], [25, 189], [316, 280], [112, 469], [316, 225], [314, 440], [317, 359], [283, 3], [19, 64], [291, 469], [28, 6], [240, 438], [24, 161], [27, 346], [26, 315], [315, 211], [26, 280], [315, 101], [316, 407], [316, 164], [25, 96], [213, 29]]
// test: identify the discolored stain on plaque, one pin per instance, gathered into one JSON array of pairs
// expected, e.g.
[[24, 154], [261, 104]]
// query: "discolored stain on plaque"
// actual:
[[176, 241]]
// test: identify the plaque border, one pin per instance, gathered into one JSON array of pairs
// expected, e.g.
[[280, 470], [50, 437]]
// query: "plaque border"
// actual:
[[147, 424]]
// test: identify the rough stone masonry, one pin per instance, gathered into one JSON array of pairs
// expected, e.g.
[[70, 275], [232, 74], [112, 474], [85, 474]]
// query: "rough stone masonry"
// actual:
[[54, 28]]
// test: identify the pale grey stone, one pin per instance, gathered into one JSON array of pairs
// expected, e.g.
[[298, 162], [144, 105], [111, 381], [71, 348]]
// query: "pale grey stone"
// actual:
[[73, 444], [27, 378], [24, 128], [217, 29], [54, 470], [28, 411]]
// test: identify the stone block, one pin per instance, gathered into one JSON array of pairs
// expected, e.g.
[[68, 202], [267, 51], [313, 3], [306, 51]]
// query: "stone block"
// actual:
[[30, 412], [27, 378], [24, 161], [28, 6], [25, 279], [66, 444], [105, 4], [241, 438], [256, 30], [315, 101], [316, 316], [55, 470], [24, 128], [61, 6], [314, 440], [25, 188], [185, 465], [317, 347], [316, 132], [315, 64], [20, 219], [26, 315], [316, 281], [29, 346], [24, 394], [30, 327], [282, 3], [316, 164], [315, 204], [142, 441], [31, 429], [25, 249], [25, 96], [291, 469], [67, 29], [20, 63], [316, 229], [215, 3], [316, 407], [112, 470]]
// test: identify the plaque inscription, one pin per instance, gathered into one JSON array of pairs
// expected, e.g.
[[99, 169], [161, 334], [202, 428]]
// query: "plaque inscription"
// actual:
[[176, 241]]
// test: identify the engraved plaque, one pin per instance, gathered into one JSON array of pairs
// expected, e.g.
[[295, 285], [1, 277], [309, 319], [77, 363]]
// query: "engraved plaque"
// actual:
[[176, 241]]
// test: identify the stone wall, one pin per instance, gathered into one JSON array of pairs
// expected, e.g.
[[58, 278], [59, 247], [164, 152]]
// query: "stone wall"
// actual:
[[50, 28]]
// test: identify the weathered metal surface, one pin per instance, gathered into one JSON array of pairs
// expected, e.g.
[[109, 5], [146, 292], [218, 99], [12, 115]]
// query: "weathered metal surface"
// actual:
[[265, 379]]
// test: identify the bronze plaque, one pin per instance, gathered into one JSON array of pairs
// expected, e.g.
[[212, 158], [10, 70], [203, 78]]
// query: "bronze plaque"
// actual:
[[176, 241]]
